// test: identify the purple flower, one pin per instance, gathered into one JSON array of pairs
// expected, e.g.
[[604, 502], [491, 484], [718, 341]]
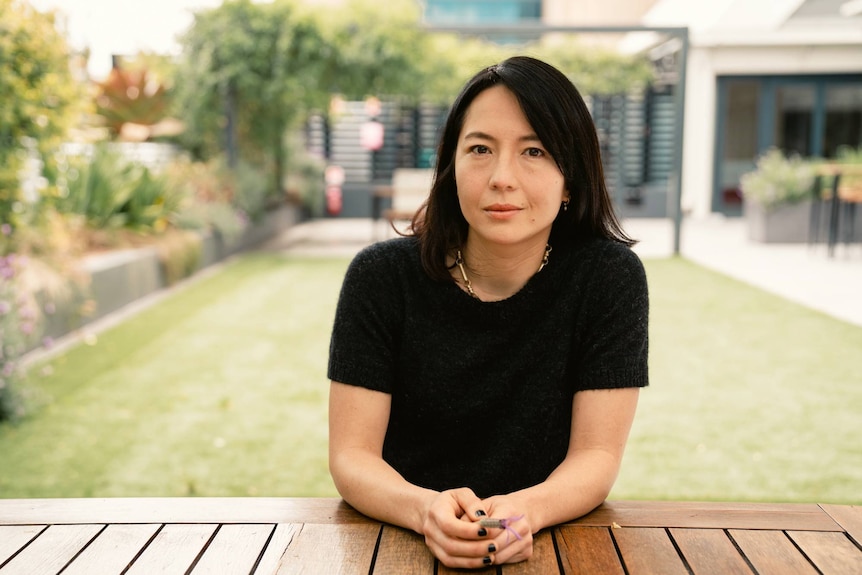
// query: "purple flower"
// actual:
[[5, 306], [48, 342], [27, 327], [6, 229]]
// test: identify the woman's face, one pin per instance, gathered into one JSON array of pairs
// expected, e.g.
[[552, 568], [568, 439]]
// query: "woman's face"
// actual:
[[509, 187]]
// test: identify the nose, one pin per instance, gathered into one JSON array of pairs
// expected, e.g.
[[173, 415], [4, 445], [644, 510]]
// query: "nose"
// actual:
[[503, 175]]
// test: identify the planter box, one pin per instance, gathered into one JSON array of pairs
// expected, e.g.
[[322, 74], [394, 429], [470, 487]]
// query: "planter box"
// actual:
[[121, 277], [788, 224]]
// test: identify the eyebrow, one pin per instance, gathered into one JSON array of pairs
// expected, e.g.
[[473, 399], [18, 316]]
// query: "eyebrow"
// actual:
[[476, 135]]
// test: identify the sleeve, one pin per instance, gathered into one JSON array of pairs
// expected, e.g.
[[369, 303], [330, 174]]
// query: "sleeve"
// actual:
[[614, 344], [362, 349]]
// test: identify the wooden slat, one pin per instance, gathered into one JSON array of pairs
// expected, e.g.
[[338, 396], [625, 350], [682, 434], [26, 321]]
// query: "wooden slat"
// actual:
[[709, 552], [178, 510], [113, 550], [543, 562], [173, 550], [278, 544], [832, 553], [780, 516], [772, 553], [343, 549], [587, 550], [849, 517], [52, 550], [235, 549], [648, 550], [443, 570], [402, 551], [14, 537]]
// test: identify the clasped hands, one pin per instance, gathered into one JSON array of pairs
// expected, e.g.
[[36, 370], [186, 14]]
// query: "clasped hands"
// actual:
[[454, 532]]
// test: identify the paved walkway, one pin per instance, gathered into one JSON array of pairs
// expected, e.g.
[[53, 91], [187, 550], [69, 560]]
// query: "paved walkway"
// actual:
[[796, 272]]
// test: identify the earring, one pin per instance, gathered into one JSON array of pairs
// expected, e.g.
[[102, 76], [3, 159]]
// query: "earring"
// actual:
[[565, 205]]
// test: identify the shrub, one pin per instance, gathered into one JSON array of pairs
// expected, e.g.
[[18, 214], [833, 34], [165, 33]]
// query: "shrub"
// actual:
[[778, 180]]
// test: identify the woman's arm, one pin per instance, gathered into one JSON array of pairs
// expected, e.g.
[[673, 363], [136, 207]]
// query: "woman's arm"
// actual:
[[358, 419]]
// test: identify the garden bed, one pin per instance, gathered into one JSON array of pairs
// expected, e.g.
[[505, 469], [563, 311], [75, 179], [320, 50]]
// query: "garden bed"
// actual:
[[119, 278]]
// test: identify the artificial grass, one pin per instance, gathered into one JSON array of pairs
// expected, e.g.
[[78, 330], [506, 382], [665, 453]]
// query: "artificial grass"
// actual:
[[220, 390]]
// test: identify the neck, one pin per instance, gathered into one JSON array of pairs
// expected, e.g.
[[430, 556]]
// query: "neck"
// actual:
[[498, 272]]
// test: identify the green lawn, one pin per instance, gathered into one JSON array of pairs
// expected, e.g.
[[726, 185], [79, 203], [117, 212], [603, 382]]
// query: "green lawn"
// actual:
[[220, 390]]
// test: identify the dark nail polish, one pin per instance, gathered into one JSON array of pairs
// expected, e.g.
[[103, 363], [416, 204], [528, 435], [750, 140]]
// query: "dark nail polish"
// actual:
[[486, 560], [482, 532], [492, 548], [480, 513]]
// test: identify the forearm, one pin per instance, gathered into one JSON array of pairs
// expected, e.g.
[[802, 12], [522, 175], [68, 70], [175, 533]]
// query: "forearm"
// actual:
[[374, 488], [579, 485]]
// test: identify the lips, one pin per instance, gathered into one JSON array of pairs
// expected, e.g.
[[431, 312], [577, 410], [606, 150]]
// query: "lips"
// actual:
[[502, 210]]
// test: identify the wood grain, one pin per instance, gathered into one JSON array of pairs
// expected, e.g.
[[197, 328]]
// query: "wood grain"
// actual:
[[14, 537], [402, 551], [833, 553], [648, 550], [587, 550], [234, 549], [544, 559], [709, 552], [343, 549], [113, 550], [173, 550], [772, 553], [179, 510], [710, 515], [849, 517], [278, 544], [52, 550]]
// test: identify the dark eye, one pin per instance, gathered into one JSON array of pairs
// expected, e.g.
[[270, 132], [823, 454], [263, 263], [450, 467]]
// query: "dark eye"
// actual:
[[535, 152], [479, 149]]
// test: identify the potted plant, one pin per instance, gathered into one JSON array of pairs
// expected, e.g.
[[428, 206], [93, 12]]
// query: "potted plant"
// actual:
[[777, 198]]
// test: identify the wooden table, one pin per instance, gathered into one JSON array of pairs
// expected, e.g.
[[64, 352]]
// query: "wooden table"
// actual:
[[325, 536]]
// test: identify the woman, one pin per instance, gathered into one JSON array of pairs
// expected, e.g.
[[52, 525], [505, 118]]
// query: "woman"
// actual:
[[488, 365]]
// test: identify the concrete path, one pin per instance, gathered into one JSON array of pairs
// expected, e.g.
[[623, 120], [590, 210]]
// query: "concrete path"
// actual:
[[803, 274]]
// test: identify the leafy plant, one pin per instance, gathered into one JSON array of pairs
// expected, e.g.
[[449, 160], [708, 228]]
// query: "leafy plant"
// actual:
[[778, 180], [113, 193], [39, 98]]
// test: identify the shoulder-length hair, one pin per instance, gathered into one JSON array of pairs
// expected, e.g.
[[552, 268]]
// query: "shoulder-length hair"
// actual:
[[557, 112]]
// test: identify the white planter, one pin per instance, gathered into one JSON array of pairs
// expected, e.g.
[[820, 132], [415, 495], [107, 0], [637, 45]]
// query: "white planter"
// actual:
[[786, 224]]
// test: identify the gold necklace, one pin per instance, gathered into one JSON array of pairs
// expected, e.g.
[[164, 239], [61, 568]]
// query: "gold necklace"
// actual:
[[459, 261]]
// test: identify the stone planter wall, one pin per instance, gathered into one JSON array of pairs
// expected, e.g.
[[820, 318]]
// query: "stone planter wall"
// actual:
[[122, 277], [784, 224]]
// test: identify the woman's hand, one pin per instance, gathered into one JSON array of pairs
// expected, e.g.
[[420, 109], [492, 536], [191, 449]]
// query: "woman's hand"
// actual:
[[452, 532], [513, 541]]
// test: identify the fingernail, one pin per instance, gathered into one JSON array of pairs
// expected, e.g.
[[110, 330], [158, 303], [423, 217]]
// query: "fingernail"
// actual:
[[480, 513], [492, 548], [482, 532], [486, 560]]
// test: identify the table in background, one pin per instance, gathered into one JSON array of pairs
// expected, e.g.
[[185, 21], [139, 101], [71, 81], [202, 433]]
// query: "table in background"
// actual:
[[326, 536]]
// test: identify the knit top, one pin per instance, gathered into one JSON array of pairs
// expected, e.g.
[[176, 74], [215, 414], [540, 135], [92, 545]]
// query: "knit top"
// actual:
[[482, 391]]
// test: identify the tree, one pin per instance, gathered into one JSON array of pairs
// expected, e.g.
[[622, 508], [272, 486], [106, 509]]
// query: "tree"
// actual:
[[248, 72], [38, 95]]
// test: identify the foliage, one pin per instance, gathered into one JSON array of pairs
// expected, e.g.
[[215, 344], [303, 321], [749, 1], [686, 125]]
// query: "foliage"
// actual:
[[131, 97], [850, 156], [111, 192], [179, 254], [595, 70], [39, 98], [778, 180], [216, 197], [18, 324], [305, 178], [374, 52], [248, 72]]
